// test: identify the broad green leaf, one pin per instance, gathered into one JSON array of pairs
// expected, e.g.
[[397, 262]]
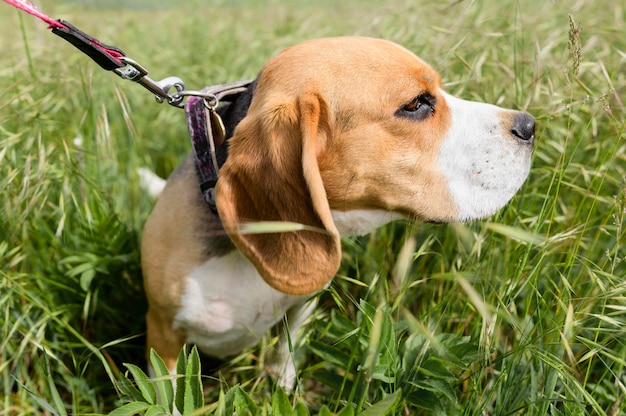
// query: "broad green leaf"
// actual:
[[225, 403], [280, 403], [573, 408], [163, 381], [385, 406], [181, 367], [127, 388], [332, 380], [143, 383], [413, 349], [301, 409], [368, 312], [554, 411], [382, 373], [243, 403], [340, 328], [435, 367], [425, 399], [437, 386], [86, 278], [157, 410], [130, 409], [329, 353], [341, 321], [346, 411], [324, 411], [464, 352], [193, 399], [382, 358]]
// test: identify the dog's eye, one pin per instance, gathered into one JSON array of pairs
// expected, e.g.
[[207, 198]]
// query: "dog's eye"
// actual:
[[420, 108]]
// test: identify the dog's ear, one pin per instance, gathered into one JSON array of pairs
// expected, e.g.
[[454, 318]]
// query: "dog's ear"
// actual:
[[272, 174]]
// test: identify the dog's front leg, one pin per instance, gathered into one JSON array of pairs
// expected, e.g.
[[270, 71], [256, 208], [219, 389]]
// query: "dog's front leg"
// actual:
[[165, 340], [282, 362]]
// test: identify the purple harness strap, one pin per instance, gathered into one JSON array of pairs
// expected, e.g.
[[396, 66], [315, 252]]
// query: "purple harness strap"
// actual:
[[204, 153], [207, 133]]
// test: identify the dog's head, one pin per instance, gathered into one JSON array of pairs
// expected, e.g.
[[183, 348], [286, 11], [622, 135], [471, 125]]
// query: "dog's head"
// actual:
[[360, 125]]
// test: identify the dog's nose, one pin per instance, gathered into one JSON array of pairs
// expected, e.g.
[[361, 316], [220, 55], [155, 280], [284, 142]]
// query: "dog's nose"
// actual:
[[524, 127]]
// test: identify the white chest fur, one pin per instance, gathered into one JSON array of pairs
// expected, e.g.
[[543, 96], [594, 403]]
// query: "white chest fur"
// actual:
[[227, 306]]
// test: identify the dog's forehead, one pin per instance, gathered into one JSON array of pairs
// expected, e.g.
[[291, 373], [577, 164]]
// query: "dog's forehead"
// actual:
[[350, 63]]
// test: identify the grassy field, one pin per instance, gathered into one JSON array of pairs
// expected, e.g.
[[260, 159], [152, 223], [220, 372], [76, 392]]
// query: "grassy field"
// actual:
[[522, 314]]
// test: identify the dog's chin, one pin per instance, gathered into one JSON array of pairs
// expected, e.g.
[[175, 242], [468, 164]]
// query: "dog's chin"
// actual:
[[362, 221], [474, 206], [482, 202]]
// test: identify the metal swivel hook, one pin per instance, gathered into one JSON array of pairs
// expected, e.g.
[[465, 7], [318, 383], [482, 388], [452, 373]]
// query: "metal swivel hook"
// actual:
[[161, 89]]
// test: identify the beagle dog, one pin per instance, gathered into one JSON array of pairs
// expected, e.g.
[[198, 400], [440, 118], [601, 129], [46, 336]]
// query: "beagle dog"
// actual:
[[341, 135]]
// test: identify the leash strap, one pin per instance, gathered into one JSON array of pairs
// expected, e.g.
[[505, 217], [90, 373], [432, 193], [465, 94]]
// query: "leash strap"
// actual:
[[108, 57], [29, 8], [206, 129]]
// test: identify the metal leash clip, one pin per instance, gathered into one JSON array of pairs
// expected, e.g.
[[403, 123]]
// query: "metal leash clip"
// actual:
[[161, 89]]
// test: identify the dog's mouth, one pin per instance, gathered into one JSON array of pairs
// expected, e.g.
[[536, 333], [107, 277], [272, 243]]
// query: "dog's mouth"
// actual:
[[485, 156]]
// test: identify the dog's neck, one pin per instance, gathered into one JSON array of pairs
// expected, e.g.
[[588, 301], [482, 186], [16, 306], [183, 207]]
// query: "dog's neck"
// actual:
[[232, 114]]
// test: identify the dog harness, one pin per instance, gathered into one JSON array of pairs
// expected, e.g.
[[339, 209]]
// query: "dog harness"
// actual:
[[206, 129], [208, 135]]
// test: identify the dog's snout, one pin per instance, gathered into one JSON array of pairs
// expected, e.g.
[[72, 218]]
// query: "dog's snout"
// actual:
[[524, 127]]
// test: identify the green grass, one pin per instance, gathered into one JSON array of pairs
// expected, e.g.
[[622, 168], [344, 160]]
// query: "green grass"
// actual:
[[522, 314]]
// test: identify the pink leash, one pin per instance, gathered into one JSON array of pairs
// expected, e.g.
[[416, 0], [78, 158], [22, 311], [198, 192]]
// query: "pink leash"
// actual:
[[108, 57], [206, 129], [29, 8]]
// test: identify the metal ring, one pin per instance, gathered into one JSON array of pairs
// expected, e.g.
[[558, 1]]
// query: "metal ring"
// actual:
[[212, 104], [210, 100]]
